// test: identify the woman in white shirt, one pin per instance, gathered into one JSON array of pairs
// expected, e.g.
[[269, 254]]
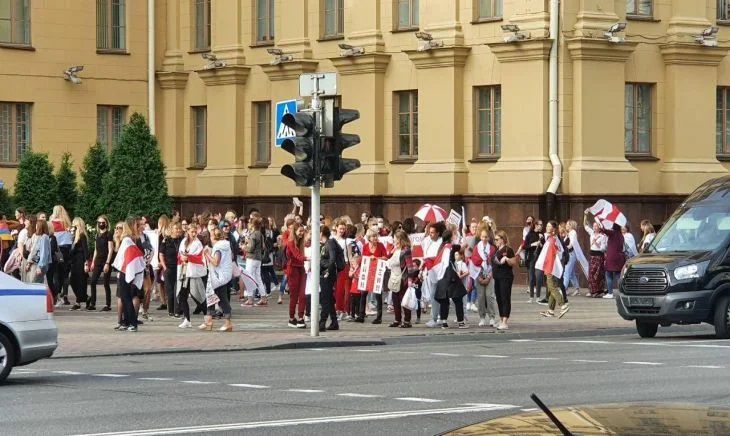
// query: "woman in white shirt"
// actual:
[[596, 273], [629, 242], [648, 235], [220, 266]]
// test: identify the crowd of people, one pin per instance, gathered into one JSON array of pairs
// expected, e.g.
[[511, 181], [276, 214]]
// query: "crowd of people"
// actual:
[[207, 259]]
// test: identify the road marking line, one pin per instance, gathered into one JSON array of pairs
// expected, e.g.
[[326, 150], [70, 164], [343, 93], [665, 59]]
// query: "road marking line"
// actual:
[[419, 400], [581, 341], [353, 395], [244, 385], [317, 349], [704, 366], [156, 378], [589, 361], [642, 363], [29, 371], [446, 354], [198, 382], [69, 372], [305, 391], [402, 352], [538, 358], [522, 340], [305, 421], [666, 344], [111, 375], [498, 356], [366, 351], [534, 409]]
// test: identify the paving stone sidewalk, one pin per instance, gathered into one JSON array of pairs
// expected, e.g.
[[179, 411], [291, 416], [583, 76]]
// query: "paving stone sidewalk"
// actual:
[[84, 333]]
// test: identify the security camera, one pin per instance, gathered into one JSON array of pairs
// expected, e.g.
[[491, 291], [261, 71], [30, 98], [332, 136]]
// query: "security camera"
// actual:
[[70, 74], [275, 51], [708, 37], [424, 36], [75, 80], [618, 27], [516, 34], [510, 28], [710, 31], [76, 69], [349, 50], [611, 36], [209, 57]]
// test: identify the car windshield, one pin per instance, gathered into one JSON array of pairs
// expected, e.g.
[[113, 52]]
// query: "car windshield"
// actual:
[[698, 228]]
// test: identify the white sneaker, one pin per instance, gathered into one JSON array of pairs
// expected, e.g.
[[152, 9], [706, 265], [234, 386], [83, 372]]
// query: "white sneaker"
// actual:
[[530, 300], [59, 303], [482, 322], [608, 296], [432, 324], [492, 322], [474, 308], [306, 318], [502, 326], [185, 324]]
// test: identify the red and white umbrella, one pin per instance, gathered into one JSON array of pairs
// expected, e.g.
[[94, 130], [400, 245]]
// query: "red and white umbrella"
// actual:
[[431, 213]]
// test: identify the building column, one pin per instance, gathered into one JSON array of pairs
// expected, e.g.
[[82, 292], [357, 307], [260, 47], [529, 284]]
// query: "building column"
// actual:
[[171, 128], [597, 164]]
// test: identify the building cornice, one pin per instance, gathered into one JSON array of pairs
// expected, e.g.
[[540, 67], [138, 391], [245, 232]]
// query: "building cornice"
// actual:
[[442, 57], [692, 54], [228, 75], [369, 63], [289, 70], [525, 50], [595, 49], [172, 79]]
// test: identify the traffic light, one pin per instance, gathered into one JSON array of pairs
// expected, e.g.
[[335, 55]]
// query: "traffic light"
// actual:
[[302, 147], [333, 165]]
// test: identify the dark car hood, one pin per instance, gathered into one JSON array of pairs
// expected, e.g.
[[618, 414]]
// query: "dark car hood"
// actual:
[[611, 419], [670, 258]]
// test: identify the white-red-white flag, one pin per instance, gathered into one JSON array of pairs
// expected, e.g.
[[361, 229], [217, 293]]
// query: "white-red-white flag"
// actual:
[[549, 260], [130, 261], [607, 214], [372, 274], [440, 263]]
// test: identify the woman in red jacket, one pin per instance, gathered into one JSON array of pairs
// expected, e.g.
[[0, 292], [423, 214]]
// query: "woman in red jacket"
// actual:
[[376, 250], [296, 275]]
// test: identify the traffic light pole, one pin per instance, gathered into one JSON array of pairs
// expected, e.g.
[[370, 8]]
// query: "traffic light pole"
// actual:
[[317, 108]]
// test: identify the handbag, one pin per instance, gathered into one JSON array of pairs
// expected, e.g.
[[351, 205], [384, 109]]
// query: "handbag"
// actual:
[[394, 281]]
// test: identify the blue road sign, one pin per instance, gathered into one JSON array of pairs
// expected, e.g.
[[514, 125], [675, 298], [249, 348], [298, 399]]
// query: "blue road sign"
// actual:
[[281, 131]]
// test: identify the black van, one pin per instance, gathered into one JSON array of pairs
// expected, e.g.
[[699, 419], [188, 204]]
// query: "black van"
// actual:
[[684, 275]]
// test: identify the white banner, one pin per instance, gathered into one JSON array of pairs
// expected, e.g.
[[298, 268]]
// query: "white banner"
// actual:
[[372, 273], [454, 217]]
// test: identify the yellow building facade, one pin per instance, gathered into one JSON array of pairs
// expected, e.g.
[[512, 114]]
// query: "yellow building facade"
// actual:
[[642, 119]]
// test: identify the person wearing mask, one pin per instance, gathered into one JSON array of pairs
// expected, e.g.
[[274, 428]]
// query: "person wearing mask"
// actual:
[[61, 224], [101, 263], [220, 264], [648, 234], [191, 270], [169, 248], [375, 250], [331, 252], [296, 275], [254, 256], [79, 267], [596, 273], [502, 263]]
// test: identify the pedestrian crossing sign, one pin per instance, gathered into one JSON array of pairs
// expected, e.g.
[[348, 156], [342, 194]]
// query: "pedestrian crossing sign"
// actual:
[[281, 131]]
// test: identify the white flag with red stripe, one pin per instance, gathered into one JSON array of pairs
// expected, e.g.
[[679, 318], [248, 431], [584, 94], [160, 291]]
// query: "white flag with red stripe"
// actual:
[[440, 264], [550, 258], [130, 261], [372, 274], [480, 258], [607, 214]]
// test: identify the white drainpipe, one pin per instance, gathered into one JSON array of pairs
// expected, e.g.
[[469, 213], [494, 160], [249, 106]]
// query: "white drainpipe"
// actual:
[[151, 64], [553, 109]]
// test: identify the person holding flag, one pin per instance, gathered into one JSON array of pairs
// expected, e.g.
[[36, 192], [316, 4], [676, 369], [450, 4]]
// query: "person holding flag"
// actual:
[[130, 264], [480, 269], [191, 269], [550, 263]]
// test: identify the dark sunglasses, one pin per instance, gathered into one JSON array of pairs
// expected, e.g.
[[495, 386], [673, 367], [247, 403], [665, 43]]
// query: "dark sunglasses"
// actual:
[[101, 222]]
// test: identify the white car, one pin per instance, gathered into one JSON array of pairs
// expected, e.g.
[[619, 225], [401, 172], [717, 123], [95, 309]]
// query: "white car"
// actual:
[[27, 329]]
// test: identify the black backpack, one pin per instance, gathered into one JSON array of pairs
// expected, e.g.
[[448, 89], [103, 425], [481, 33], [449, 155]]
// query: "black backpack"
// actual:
[[267, 247], [340, 263]]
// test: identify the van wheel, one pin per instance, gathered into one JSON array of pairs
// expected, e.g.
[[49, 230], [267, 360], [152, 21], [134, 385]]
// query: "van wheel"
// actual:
[[7, 357], [646, 329], [722, 318]]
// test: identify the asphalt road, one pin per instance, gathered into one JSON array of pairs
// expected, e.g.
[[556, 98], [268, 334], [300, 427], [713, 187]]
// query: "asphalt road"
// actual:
[[404, 389]]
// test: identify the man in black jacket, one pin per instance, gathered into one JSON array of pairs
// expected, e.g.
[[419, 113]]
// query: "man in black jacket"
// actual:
[[328, 279]]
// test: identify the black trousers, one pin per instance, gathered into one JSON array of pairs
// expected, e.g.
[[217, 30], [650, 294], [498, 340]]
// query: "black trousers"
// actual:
[[79, 280], [503, 293], [364, 303], [106, 277], [327, 299], [62, 270], [222, 293], [50, 279], [170, 285], [268, 276], [444, 308], [126, 292]]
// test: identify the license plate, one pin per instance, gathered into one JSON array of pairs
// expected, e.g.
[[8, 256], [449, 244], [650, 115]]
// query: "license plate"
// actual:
[[641, 301]]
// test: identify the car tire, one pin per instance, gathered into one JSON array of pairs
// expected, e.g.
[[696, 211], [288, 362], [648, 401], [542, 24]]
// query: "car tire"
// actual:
[[7, 357], [722, 318], [646, 329]]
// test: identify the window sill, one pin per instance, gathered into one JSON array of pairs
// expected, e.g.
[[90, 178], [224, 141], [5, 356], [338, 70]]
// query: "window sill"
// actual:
[[405, 30], [404, 161], [648, 18], [331, 38], [196, 167], [487, 20], [259, 165], [262, 44], [111, 51], [199, 50], [12, 46], [9, 164], [723, 22], [485, 159], [723, 157], [641, 158]]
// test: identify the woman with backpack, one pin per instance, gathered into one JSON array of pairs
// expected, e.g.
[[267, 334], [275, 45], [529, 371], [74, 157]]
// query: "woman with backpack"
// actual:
[[254, 255], [268, 275]]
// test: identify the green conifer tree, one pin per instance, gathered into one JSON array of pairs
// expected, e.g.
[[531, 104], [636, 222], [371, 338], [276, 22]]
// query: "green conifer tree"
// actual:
[[66, 192], [95, 168], [35, 185]]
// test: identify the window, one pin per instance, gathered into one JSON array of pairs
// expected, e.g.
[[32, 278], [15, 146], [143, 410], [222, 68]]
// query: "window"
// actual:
[[637, 118], [110, 25], [200, 136], [407, 124], [487, 9], [488, 132], [723, 10], [15, 22], [264, 21], [407, 14], [201, 27], [110, 121], [639, 7], [722, 133], [334, 18], [262, 132], [14, 131]]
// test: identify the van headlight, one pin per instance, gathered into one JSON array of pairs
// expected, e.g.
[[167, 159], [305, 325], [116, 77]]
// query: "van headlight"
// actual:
[[623, 271], [692, 271]]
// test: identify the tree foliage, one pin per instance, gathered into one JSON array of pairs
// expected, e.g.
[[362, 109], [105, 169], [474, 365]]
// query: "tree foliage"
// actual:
[[95, 167], [135, 184], [6, 203], [66, 191], [35, 186]]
